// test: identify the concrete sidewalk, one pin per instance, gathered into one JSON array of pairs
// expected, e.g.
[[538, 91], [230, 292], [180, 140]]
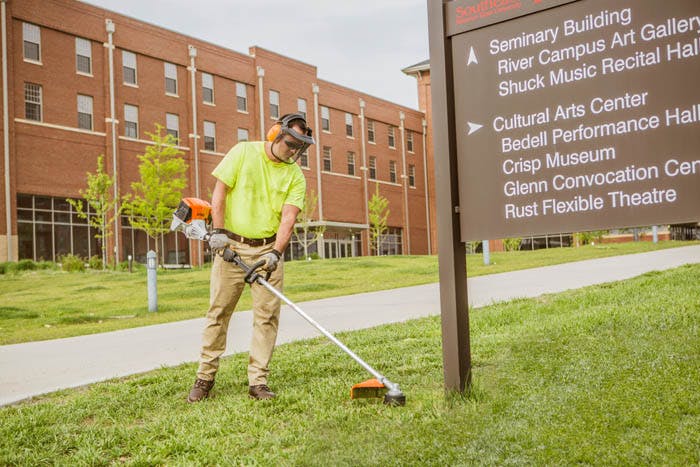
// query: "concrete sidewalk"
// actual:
[[35, 368]]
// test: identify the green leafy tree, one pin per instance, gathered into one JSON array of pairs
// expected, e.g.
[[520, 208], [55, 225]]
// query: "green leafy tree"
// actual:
[[378, 215], [100, 200], [157, 194], [304, 234]]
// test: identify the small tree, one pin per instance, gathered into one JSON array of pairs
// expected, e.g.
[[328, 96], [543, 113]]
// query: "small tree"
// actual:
[[304, 234], [100, 200], [378, 215], [157, 194]]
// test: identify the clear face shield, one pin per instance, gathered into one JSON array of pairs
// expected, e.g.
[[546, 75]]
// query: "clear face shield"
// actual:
[[300, 142]]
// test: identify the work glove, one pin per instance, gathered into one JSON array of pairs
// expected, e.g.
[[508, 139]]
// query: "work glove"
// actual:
[[271, 260], [218, 241]]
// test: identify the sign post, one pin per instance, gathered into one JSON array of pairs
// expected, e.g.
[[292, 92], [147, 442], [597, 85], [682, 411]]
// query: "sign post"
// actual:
[[558, 116]]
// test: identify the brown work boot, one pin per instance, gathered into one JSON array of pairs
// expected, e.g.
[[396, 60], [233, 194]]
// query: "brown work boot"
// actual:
[[261, 392], [200, 390]]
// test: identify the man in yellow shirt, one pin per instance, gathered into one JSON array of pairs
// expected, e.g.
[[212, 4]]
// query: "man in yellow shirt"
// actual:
[[258, 193]]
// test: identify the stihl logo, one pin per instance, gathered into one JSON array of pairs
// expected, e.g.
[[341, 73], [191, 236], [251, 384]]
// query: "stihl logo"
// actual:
[[486, 8]]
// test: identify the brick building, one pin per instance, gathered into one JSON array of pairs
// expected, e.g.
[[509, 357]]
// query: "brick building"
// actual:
[[82, 81]]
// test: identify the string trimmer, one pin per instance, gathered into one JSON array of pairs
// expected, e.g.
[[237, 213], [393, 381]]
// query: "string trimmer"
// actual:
[[191, 218]]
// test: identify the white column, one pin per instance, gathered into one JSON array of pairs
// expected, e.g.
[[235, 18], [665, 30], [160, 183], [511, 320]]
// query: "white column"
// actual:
[[6, 134], [195, 136], [319, 188], [109, 25], [261, 99], [404, 177]]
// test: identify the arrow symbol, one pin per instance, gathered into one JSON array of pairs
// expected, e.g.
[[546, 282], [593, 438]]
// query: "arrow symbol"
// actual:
[[472, 57], [473, 127]]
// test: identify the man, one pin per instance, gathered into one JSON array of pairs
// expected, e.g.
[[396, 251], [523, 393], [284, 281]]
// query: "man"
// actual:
[[258, 194]]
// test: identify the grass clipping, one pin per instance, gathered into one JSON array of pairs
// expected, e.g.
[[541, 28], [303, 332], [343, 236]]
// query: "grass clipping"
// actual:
[[602, 375]]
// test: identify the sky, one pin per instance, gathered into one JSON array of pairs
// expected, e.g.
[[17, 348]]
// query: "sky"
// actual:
[[360, 44]]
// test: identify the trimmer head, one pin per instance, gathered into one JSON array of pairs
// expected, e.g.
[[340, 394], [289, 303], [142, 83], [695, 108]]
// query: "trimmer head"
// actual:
[[373, 388]]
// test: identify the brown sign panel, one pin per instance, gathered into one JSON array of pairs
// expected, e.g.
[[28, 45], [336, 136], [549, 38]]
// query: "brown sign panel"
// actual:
[[585, 116]]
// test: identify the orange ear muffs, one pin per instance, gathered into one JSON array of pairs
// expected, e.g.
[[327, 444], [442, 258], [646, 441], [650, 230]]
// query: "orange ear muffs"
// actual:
[[274, 132]]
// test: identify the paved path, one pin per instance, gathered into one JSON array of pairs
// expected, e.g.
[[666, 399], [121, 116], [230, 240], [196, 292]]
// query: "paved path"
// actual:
[[35, 368]]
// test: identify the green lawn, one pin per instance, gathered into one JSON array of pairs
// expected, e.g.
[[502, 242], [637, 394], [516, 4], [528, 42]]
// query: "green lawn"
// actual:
[[48, 304], [605, 375]]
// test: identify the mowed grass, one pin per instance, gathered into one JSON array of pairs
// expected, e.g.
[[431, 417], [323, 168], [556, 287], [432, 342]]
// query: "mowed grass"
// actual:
[[606, 375], [41, 305]]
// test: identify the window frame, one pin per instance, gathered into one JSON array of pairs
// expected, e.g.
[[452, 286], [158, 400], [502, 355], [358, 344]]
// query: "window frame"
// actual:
[[273, 98], [301, 103], [167, 69], [208, 88], [349, 126], [125, 67], [127, 121], [327, 159], [371, 135], [411, 175], [175, 132], [409, 141], [209, 138], [78, 55], [392, 171], [351, 163], [391, 137], [27, 30], [39, 104], [241, 99], [325, 121], [90, 114], [372, 169], [238, 135]]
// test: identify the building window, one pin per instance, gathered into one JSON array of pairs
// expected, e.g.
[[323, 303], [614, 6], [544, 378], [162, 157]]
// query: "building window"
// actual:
[[390, 242], [351, 163], [301, 106], [327, 166], [409, 141], [349, 130], [84, 112], [170, 79], [392, 171], [210, 136], [131, 121], [32, 101], [274, 104], [325, 119], [31, 34], [172, 126], [242, 135], [207, 88], [392, 139], [370, 131], [372, 168], [241, 97], [129, 67], [49, 228], [304, 159], [412, 176], [83, 56]]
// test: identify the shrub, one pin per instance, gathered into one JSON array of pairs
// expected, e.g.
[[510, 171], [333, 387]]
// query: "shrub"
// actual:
[[512, 244], [3, 268], [46, 265], [72, 263], [25, 265], [95, 262]]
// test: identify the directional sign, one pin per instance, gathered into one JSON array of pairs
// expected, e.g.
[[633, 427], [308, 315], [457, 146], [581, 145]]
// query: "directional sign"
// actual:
[[583, 116]]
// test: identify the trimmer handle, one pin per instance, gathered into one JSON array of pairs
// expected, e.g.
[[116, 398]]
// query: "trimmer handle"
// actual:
[[251, 272]]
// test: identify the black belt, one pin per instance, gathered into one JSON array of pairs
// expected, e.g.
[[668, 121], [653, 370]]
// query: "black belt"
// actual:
[[251, 241]]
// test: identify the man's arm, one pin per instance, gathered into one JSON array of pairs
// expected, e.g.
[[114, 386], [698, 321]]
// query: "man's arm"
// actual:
[[284, 232], [218, 205]]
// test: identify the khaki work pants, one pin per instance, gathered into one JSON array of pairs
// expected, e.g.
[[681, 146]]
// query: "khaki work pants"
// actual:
[[226, 285]]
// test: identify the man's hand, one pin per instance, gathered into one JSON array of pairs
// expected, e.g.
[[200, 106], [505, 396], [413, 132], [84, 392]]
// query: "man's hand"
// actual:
[[218, 241], [271, 260]]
